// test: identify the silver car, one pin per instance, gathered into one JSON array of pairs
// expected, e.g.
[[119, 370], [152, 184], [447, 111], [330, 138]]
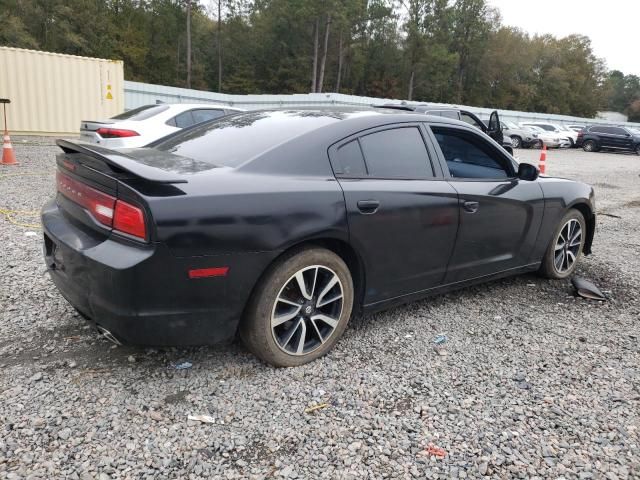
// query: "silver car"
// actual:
[[521, 137]]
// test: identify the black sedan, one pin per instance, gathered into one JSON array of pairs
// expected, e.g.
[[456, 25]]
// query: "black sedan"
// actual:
[[279, 225]]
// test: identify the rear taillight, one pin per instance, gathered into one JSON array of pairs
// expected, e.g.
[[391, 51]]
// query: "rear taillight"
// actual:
[[109, 211], [129, 219], [99, 204], [116, 133]]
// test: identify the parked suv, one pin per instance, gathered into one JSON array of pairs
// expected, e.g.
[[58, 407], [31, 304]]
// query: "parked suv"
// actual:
[[597, 137]]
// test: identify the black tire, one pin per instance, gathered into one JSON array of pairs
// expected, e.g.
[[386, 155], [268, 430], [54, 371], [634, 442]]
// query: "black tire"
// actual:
[[538, 144], [549, 267], [589, 146], [638, 149], [516, 141], [256, 329]]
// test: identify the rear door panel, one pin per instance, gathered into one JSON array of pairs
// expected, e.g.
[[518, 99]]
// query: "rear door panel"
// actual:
[[407, 243], [403, 228]]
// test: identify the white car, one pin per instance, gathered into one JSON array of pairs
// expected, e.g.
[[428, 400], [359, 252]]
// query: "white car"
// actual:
[[560, 131], [550, 139], [143, 125]]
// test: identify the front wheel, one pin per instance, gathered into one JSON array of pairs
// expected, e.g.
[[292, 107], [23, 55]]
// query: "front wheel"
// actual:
[[565, 249], [516, 141], [300, 308]]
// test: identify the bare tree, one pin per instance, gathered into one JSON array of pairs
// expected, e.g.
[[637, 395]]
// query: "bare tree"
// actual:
[[324, 54], [219, 45], [410, 92], [315, 56], [340, 54], [188, 43]]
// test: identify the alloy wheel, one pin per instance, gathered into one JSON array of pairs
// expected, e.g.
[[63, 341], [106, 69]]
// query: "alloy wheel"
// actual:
[[567, 246], [516, 142], [307, 310]]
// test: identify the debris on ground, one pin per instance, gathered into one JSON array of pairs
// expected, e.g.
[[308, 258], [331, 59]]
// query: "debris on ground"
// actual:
[[182, 366], [440, 339], [435, 451], [201, 418], [587, 289], [316, 407]]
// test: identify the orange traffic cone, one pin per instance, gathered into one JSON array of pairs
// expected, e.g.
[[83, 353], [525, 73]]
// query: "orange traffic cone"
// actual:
[[8, 157], [543, 159]]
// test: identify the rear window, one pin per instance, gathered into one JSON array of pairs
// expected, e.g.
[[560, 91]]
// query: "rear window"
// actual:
[[233, 140], [141, 113]]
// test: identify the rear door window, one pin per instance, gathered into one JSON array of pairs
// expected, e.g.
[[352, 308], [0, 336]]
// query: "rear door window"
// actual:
[[472, 121], [396, 153], [469, 156], [206, 114], [184, 120], [349, 160]]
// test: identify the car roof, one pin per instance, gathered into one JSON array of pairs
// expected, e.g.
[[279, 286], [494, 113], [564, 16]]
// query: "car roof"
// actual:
[[303, 129], [187, 106], [364, 114]]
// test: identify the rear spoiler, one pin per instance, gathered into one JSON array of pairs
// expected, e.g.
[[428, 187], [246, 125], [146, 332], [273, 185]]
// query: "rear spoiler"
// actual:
[[122, 161]]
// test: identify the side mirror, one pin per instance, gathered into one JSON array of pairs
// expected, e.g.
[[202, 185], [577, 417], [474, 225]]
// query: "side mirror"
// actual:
[[528, 172]]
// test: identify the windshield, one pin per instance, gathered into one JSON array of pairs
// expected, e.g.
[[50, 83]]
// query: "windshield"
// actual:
[[141, 113], [509, 124]]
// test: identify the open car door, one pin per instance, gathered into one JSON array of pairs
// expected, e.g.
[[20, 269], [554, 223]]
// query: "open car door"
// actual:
[[495, 129]]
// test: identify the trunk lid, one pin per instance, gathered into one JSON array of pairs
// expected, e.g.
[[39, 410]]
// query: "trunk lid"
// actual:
[[95, 183]]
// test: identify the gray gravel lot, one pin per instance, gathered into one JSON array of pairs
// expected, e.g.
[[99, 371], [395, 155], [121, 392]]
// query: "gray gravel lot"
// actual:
[[532, 381]]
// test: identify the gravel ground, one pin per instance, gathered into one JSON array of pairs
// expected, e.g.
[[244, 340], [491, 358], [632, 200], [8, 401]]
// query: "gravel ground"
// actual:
[[532, 381]]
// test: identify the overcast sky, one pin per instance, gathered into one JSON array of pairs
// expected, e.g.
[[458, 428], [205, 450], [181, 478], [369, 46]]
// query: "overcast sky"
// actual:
[[612, 25]]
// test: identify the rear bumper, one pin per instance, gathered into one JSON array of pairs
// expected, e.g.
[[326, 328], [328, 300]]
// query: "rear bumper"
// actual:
[[143, 294]]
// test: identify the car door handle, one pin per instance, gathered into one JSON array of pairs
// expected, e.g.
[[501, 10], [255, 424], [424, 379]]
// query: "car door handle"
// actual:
[[368, 206], [471, 207]]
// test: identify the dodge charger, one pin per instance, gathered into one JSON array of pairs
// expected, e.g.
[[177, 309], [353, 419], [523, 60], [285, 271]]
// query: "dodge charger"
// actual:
[[279, 225]]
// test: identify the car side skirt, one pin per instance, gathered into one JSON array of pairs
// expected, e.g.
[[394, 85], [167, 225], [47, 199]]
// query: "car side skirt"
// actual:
[[412, 297]]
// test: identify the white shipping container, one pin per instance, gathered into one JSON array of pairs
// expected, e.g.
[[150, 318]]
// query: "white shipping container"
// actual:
[[51, 93]]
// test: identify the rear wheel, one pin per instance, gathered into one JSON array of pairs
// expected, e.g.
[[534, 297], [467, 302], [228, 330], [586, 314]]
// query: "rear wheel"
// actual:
[[300, 308], [638, 149], [589, 146], [516, 141], [564, 251]]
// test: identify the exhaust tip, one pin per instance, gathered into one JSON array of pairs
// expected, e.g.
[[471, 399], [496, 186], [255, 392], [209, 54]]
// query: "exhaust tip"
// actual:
[[108, 335]]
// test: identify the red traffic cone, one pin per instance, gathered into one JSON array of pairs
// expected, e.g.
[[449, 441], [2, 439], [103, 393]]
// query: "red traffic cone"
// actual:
[[8, 157], [543, 159]]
